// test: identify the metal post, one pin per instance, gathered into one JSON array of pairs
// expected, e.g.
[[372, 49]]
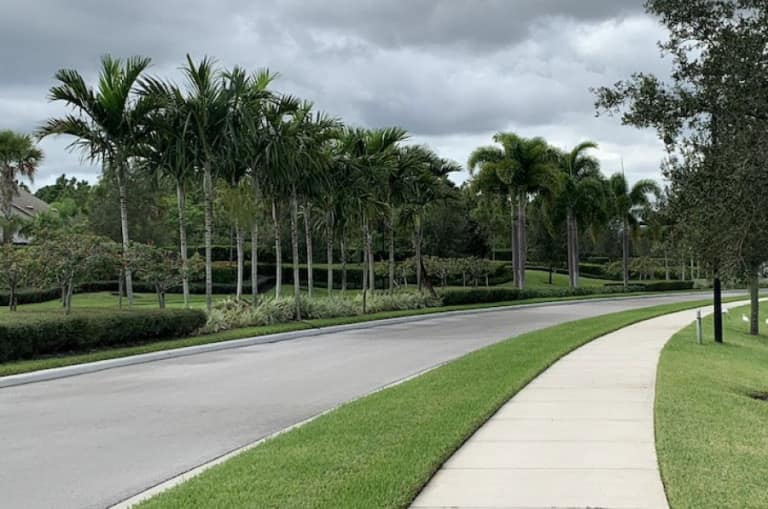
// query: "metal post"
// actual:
[[698, 327]]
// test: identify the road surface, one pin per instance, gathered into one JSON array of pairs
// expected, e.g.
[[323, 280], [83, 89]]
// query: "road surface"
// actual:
[[92, 440]]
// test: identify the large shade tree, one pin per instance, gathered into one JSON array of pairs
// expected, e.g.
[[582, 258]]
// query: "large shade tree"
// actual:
[[107, 122]]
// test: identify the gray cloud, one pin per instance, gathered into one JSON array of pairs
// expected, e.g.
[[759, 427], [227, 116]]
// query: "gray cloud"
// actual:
[[452, 72]]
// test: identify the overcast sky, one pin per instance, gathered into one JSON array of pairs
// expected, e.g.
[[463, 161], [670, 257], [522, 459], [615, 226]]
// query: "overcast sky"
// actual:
[[452, 72]]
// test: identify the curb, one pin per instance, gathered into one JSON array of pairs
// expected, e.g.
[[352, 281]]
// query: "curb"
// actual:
[[94, 367]]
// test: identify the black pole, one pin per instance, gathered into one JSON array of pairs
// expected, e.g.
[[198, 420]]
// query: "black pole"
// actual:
[[718, 309]]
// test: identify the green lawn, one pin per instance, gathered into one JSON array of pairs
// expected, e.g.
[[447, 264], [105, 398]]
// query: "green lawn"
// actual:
[[379, 451], [711, 434], [540, 279]]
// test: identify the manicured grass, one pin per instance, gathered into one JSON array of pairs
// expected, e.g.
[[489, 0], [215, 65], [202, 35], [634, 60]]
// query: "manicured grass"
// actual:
[[540, 279], [379, 451], [99, 300], [711, 434]]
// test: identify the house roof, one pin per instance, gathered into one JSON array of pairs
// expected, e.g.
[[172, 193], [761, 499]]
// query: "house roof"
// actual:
[[28, 204]]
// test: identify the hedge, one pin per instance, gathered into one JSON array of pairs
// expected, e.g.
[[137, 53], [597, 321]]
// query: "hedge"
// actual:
[[658, 286], [54, 333], [31, 296], [452, 297]]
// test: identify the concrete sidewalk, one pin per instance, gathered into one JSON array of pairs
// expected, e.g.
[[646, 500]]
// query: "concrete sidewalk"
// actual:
[[579, 436]]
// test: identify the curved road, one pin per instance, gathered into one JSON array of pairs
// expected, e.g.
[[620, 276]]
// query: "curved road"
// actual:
[[92, 440]]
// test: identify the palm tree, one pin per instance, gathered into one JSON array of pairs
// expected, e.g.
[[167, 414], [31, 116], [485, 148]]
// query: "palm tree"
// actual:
[[627, 201], [107, 123], [425, 184], [582, 196], [19, 157], [168, 147], [207, 104], [525, 166]]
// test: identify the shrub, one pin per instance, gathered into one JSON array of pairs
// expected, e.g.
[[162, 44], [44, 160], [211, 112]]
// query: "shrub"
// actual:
[[663, 286], [231, 313], [32, 296], [453, 297], [54, 333]]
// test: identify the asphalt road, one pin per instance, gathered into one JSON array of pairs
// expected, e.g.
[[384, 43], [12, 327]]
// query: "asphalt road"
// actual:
[[92, 440]]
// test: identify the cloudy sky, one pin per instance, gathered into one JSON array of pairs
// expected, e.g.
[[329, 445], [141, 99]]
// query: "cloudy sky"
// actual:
[[452, 72]]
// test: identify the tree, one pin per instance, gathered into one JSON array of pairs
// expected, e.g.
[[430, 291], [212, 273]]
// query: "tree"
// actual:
[[524, 166], [161, 268], [627, 202], [19, 157], [17, 269], [582, 197], [712, 115], [67, 257], [106, 123]]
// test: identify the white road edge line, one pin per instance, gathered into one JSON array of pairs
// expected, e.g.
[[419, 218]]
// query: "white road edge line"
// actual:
[[194, 472], [93, 367]]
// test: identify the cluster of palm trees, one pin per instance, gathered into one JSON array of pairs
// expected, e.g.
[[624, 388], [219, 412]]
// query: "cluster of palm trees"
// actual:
[[570, 186], [264, 153]]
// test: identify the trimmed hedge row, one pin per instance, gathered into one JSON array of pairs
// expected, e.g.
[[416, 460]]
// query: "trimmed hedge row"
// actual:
[[31, 296], [54, 333], [659, 286], [452, 297]]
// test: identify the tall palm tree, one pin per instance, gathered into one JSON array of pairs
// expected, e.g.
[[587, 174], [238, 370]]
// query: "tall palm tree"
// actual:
[[525, 166], [627, 202], [581, 195], [425, 185], [207, 104], [19, 157], [168, 147], [107, 122]]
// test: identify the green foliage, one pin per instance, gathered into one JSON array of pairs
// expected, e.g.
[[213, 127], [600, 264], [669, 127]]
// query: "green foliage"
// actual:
[[711, 436], [40, 334], [234, 313], [459, 296]]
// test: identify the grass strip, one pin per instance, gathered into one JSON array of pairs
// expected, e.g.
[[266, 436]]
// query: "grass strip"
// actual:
[[380, 450], [711, 431], [27, 366]]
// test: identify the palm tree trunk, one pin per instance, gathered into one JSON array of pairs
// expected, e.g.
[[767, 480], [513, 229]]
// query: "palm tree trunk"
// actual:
[[308, 235], [417, 248], [513, 236], [666, 265], [625, 252], [240, 242], [343, 256], [278, 250], [521, 240], [182, 199], [754, 303], [365, 261], [575, 252], [123, 192], [208, 191], [369, 249], [254, 260], [329, 251], [295, 253], [569, 242], [391, 248]]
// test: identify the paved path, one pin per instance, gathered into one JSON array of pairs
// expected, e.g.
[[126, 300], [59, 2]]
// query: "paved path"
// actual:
[[96, 439], [581, 435]]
